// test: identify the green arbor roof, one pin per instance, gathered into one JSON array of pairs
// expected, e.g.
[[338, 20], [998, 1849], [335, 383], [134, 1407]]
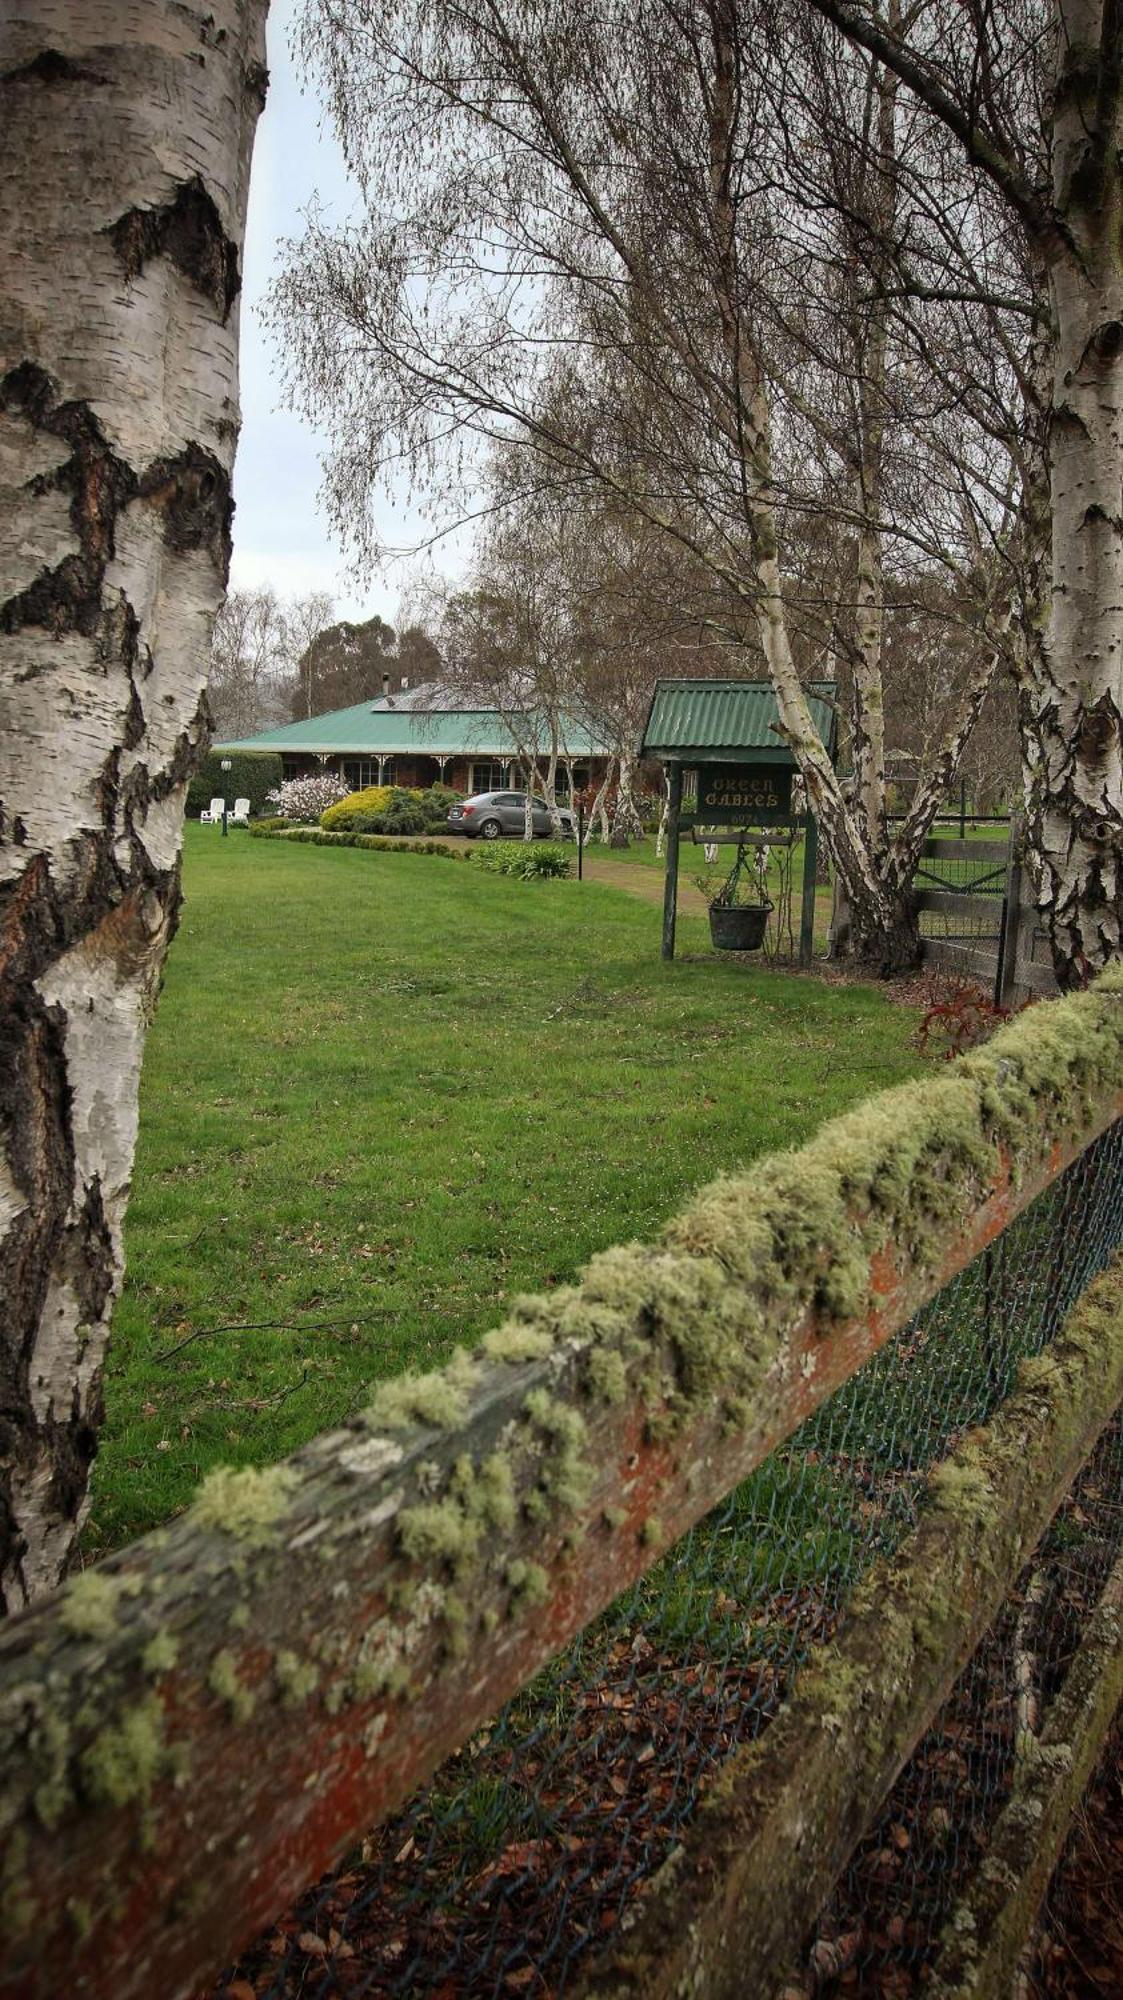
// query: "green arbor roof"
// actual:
[[372, 728], [719, 722]]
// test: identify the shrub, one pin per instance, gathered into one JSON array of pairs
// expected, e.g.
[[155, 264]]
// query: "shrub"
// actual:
[[391, 809], [404, 813], [270, 823], [960, 1017], [339, 818], [304, 799], [253, 774], [315, 836], [539, 863], [438, 799]]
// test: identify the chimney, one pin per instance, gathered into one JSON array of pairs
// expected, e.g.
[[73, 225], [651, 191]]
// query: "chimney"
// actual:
[[385, 686], [405, 682]]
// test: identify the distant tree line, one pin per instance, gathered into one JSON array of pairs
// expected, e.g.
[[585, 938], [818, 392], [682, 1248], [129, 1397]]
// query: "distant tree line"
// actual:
[[275, 660]]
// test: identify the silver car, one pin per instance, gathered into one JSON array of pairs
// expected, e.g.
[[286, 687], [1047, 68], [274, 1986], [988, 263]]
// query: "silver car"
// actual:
[[489, 815]]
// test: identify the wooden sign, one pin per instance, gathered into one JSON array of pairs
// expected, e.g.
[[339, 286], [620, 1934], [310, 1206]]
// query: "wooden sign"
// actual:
[[736, 794]]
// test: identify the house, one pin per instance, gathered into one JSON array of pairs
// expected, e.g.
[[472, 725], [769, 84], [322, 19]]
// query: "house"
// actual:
[[424, 736]]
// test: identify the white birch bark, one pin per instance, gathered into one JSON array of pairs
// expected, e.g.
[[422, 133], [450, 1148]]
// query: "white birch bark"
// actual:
[[626, 822], [550, 788], [1075, 713], [599, 809], [883, 928], [869, 622], [125, 139], [664, 815]]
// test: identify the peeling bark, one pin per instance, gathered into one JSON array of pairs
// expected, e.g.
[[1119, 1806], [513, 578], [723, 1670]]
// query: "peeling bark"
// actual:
[[125, 137], [1075, 711]]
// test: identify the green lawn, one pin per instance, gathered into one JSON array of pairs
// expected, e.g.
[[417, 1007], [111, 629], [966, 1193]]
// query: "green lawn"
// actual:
[[382, 1094]]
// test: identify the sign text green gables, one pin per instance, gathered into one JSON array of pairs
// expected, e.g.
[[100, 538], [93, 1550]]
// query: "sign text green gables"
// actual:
[[737, 794]]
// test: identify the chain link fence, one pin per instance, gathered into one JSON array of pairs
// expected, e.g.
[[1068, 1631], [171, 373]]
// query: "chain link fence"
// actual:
[[529, 1849]]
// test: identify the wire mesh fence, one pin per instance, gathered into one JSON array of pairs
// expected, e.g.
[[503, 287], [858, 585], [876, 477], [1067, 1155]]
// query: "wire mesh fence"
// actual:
[[529, 1848]]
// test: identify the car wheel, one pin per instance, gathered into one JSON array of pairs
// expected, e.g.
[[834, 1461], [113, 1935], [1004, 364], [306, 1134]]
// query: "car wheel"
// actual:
[[490, 829]]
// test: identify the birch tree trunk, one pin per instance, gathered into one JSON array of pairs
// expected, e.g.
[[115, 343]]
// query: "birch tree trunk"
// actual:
[[550, 789], [626, 822], [1071, 693], [1076, 712], [599, 807], [664, 815], [125, 139], [883, 929]]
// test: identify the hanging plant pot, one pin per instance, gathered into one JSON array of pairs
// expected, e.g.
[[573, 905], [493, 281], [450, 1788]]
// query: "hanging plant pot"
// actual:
[[738, 926]]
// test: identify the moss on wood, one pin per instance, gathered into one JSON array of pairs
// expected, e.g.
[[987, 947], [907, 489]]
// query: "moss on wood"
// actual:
[[225, 1681], [247, 1504], [123, 1761], [89, 1605], [631, 1400]]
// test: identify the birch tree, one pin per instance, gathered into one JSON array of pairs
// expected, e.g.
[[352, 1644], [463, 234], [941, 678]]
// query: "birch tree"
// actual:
[[248, 663], [600, 203], [502, 648], [125, 140], [304, 620], [1031, 93]]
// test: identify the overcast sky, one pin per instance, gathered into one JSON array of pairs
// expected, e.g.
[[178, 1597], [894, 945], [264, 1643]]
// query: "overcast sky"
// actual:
[[280, 535]]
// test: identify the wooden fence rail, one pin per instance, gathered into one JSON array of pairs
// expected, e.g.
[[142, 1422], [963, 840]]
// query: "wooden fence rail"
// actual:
[[192, 1731]]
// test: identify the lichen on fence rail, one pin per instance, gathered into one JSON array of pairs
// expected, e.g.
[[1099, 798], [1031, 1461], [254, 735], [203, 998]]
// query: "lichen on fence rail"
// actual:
[[394, 1582]]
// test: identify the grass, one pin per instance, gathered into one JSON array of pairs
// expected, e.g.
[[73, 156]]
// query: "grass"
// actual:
[[382, 1094]]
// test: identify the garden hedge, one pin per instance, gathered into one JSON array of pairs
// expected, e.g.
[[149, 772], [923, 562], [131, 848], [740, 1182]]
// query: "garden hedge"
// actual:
[[315, 836], [252, 774]]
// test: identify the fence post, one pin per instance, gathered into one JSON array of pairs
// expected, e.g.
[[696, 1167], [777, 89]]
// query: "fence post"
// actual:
[[1007, 973], [807, 907], [670, 884]]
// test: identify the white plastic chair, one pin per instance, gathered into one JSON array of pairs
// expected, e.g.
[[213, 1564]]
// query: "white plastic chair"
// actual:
[[241, 809], [212, 817]]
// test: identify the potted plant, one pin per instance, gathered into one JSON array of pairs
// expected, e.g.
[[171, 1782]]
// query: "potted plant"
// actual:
[[740, 909]]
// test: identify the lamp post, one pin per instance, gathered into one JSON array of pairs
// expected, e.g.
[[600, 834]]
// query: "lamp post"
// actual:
[[225, 767]]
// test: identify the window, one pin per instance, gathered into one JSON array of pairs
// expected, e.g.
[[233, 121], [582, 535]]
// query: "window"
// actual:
[[488, 777], [561, 785]]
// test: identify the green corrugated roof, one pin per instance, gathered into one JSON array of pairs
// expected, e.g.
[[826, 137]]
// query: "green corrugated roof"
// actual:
[[720, 719], [432, 732]]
